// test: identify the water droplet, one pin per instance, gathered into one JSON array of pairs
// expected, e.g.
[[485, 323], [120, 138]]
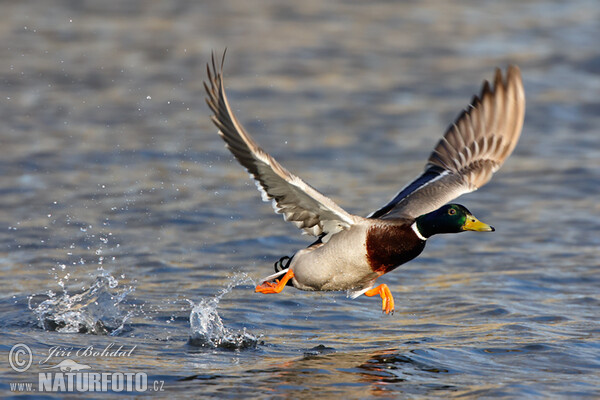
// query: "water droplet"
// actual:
[[207, 328]]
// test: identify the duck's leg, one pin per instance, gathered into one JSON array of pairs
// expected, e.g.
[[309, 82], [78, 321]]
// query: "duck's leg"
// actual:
[[387, 304], [269, 287]]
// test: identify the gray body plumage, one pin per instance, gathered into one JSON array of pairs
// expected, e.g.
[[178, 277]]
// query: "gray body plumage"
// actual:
[[341, 264]]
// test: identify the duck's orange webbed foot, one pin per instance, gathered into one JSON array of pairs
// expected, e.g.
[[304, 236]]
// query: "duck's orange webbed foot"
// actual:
[[387, 304], [270, 287]]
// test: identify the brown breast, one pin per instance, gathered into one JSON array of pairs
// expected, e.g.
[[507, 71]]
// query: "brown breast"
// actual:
[[391, 244]]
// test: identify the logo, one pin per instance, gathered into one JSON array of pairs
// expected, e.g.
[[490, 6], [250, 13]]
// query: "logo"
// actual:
[[20, 357], [71, 376], [69, 366]]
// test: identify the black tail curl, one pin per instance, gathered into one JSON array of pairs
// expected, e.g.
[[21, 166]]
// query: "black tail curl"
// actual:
[[283, 263]]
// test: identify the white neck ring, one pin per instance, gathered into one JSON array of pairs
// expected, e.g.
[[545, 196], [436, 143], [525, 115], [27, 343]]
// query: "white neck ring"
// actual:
[[417, 232]]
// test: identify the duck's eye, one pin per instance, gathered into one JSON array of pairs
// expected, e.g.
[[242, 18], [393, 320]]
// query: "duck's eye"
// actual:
[[451, 211]]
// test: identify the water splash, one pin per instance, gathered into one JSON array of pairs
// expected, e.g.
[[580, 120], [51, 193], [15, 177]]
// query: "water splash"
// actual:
[[207, 328], [97, 310]]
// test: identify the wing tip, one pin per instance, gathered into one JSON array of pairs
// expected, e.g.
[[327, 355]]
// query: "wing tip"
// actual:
[[214, 71]]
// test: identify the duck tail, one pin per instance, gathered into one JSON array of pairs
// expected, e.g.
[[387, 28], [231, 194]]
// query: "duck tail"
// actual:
[[271, 277]]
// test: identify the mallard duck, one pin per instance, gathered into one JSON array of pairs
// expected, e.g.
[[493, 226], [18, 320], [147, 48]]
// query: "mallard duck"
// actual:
[[351, 251]]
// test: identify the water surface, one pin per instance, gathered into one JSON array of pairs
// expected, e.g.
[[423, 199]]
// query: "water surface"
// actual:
[[125, 221]]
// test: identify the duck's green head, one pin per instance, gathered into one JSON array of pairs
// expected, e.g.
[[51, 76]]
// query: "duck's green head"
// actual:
[[451, 218]]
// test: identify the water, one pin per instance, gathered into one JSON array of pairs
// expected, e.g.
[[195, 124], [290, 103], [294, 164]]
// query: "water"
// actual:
[[125, 222], [95, 310], [207, 328]]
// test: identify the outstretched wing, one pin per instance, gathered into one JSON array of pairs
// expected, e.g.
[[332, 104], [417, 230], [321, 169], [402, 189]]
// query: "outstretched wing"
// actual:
[[299, 203], [471, 150]]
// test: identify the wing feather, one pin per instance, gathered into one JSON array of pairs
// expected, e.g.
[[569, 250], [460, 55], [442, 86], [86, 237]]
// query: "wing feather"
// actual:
[[299, 203]]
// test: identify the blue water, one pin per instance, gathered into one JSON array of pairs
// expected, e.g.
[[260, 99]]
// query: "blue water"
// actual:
[[125, 222]]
